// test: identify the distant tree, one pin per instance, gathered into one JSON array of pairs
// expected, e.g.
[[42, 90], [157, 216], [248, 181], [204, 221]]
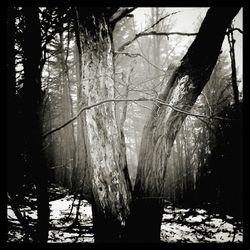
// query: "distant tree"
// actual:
[[224, 182]]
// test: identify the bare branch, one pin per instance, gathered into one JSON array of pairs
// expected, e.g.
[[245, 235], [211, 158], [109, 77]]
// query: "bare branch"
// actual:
[[209, 106], [130, 100], [156, 34], [161, 20], [137, 54], [168, 33], [237, 29], [143, 106], [188, 113]]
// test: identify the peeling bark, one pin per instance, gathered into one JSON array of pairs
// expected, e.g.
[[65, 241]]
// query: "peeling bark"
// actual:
[[111, 194]]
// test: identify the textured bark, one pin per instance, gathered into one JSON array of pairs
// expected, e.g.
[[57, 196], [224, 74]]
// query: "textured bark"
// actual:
[[182, 90], [111, 194], [32, 104]]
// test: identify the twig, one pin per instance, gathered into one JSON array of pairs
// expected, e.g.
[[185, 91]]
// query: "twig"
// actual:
[[162, 18], [137, 54], [143, 106], [237, 29]]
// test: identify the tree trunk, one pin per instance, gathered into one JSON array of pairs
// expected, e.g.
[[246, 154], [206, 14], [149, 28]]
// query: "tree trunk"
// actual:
[[68, 138], [160, 131], [12, 131], [33, 127], [121, 128], [110, 192], [81, 172]]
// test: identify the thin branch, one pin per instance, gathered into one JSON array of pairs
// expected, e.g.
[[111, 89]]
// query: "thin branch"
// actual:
[[188, 113], [143, 106], [237, 29], [161, 20], [137, 54], [151, 33], [206, 99], [138, 35], [48, 38], [168, 33], [129, 100], [80, 111], [156, 34], [137, 84]]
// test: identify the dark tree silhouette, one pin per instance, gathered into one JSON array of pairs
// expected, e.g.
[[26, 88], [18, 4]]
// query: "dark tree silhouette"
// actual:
[[32, 117]]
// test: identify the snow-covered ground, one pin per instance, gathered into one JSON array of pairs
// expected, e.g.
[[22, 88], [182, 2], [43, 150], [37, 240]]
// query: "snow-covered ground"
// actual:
[[197, 225], [178, 225], [60, 221]]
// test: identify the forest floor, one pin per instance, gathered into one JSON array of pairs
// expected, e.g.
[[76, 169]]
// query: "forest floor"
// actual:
[[178, 224]]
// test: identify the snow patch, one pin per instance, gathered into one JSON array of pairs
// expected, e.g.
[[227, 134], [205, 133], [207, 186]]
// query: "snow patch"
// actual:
[[216, 222], [193, 219], [168, 216], [200, 211], [222, 237], [174, 227]]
